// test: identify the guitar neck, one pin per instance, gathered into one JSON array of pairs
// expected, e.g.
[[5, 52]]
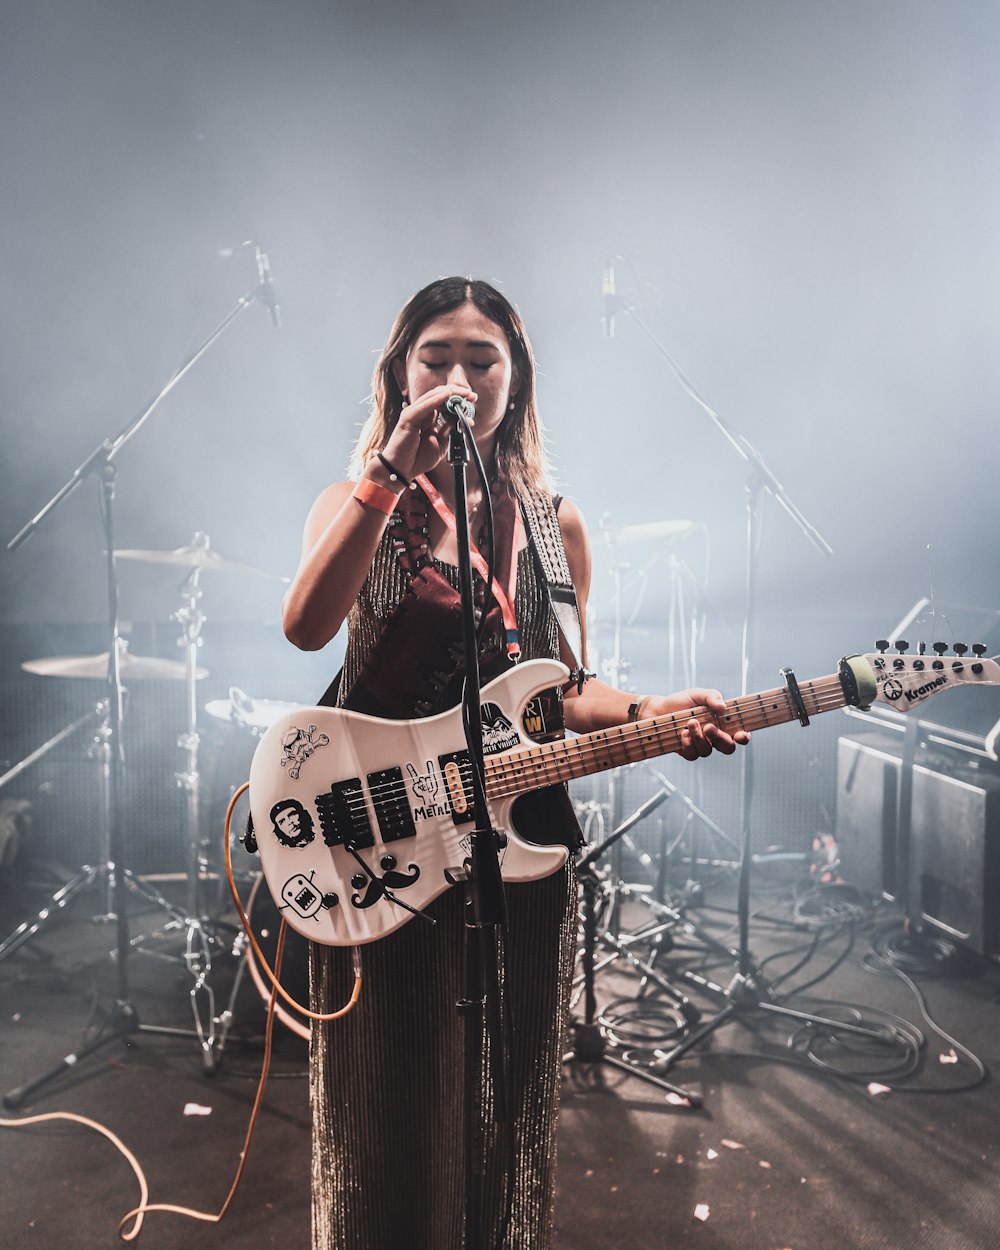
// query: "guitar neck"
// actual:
[[571, 758]]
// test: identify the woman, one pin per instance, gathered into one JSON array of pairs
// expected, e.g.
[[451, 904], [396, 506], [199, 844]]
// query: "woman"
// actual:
[[379, 552]]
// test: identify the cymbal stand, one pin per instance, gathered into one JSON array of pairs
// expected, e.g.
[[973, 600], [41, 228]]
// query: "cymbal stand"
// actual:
[[191, 620], [101, 464]]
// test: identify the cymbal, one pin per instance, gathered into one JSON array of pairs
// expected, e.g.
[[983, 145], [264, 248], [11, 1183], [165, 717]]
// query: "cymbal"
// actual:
[[133, 667], [194, 558], [663, 531]]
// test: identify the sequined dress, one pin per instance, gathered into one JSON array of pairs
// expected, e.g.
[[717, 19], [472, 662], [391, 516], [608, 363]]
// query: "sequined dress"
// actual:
[[387, 1081]]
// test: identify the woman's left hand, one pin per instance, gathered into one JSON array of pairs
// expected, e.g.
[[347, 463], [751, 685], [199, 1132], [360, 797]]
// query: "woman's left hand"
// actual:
[[698, 738]]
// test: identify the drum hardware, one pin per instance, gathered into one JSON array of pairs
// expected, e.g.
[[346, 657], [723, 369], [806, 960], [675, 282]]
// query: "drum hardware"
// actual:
[[202, 938], [265, 920], [101, 465], [88, 874], [589, 1043]]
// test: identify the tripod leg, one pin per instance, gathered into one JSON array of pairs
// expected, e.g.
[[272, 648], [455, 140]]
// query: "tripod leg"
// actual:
[[85, 878], [126, 1023]]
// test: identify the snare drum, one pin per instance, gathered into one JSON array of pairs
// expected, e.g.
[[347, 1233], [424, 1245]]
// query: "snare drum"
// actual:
[[265, 921], [231, 732], [244, 712]]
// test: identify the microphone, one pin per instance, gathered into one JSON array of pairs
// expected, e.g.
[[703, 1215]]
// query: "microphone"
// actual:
[[610, 300], [265, 290], [456, 406]]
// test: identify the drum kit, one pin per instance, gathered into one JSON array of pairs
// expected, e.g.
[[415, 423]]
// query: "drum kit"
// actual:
[[201, 934]]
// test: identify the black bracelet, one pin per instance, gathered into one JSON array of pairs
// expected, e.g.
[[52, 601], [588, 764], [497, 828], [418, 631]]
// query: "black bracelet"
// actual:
[[394, 474]]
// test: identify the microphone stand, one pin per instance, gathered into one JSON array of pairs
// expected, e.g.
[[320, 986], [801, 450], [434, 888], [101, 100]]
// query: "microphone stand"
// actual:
[[485, 907], [101, 464], [747, 990]]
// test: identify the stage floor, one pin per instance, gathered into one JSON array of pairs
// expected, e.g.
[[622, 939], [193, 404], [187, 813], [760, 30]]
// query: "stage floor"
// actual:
[[780, 1153]]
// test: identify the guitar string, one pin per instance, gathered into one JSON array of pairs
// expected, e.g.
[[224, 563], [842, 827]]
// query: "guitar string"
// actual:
[[619, 739], [824, 694], [555, 762], [747, 711]]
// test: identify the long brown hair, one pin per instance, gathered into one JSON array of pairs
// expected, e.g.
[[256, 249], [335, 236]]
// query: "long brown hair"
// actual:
[[520, 449]]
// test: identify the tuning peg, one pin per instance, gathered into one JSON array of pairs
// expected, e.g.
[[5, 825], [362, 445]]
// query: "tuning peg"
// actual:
[[883, 644], [921, 648], [959, 648], [901, 645], [979, 648], [940, 647]]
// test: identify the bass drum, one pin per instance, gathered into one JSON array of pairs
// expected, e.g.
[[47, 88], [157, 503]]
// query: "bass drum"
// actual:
[[265, 921]]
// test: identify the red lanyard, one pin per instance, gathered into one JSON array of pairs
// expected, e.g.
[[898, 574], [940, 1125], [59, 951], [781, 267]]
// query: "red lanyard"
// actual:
[[506, 601]]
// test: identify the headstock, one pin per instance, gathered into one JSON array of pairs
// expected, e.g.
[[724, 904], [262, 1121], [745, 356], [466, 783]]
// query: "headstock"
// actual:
[[904, 681]]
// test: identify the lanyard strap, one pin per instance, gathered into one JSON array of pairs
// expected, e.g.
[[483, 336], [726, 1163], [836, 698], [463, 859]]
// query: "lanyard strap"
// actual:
[[506, 601]]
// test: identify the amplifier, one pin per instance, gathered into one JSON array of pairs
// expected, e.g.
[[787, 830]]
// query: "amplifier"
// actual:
[[954, 841]]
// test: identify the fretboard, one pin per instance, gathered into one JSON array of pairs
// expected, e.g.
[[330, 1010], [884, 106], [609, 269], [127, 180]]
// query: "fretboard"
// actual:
[[580, 756]]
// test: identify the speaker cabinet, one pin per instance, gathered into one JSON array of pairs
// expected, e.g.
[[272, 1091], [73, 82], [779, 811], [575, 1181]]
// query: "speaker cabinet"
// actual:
[[954, 840]]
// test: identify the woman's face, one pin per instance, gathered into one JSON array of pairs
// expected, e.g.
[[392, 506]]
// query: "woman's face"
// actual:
[[463, 346]]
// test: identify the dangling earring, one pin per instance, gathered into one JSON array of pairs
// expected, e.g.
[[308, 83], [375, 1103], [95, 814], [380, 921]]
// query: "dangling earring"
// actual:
[[510, 406], [406, 400]]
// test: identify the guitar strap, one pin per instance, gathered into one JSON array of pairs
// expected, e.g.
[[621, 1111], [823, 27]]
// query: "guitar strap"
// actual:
[[541, 520], [409, 536]]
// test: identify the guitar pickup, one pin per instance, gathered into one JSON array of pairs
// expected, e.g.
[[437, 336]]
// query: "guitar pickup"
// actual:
[[455, 769], [343, 817], [391, 801]]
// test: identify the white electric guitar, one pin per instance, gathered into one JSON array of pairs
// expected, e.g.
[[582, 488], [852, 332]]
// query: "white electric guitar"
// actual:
[[362, 822]]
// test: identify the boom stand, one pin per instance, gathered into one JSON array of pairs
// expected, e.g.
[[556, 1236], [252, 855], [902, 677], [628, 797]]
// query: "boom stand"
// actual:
[[124, 1019], [747, 991]]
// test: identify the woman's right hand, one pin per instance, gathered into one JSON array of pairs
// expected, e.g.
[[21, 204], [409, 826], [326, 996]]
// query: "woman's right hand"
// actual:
[[419, 441]]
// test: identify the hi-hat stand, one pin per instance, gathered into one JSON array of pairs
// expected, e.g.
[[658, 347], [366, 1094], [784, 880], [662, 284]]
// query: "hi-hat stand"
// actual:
[[201, 938]]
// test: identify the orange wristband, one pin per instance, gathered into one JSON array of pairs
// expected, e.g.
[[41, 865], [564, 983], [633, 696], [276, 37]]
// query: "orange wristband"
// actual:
[[375, 496]]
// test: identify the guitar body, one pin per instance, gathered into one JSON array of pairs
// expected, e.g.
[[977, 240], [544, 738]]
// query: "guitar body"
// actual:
[[361, 822]]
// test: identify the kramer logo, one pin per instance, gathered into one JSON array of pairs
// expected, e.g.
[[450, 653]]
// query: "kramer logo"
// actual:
[[926, 688], [894, 691]]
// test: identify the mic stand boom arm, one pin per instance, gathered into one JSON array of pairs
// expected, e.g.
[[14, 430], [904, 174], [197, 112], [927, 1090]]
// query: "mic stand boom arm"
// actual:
[[739, 442], [105, 452]]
